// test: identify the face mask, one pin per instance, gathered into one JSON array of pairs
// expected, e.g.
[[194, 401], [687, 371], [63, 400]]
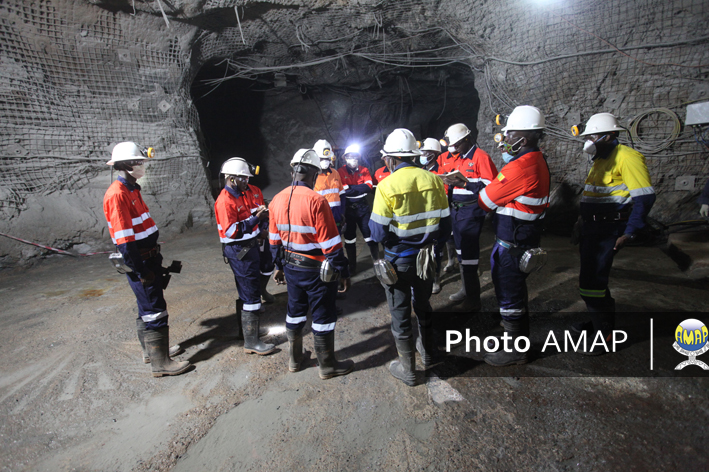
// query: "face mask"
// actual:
[[507, 157], [509, 148], [137, 172], [452, 149], [589, 147], [351, 163], [325, 164], [423, 160]]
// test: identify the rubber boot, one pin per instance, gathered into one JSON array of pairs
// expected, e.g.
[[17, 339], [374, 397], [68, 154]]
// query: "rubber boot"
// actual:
[[515, 328], [239, 333], [325, 352], [265, 296], [140, 328], [452, 256], [426, 347], [295, 348], [157, 342], [374, 250], [351, 250], [252, 343], [436, 284], [460, 295], [404, 368]]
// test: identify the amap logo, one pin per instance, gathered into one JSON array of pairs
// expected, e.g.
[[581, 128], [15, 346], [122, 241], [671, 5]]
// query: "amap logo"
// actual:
[[691, 340]]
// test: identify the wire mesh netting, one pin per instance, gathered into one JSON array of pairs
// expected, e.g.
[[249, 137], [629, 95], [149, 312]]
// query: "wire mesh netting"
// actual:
[[76, 78]]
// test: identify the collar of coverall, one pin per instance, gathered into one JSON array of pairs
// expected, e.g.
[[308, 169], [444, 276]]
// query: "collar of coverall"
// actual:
[[611, 146], [235, 192], [471, 152], [128, 185], [402, 165]]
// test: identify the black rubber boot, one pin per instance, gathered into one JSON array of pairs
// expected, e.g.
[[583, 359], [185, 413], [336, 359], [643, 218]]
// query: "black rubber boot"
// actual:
[[140, 328], [265, 296], [404, 368], [515, 328], [252, 343], [295, 348], [157, 342], [374, 250], [602, 322], [351, 250], [325, 352], [239, 334], [452, 256], [426, 347], [460, 295], [472, 290]]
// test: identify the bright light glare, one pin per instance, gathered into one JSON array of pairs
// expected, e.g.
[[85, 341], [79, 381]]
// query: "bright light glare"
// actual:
[[276, 330]]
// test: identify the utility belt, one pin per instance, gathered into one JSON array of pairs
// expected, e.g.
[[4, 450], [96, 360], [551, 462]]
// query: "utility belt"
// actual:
[[146, 254], [245, 248], [604, 217], [459, 205], [532, 259], [297, 259]]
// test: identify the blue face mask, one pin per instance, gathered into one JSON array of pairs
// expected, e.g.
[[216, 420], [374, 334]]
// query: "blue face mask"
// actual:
[[423, 160], [507, 157]]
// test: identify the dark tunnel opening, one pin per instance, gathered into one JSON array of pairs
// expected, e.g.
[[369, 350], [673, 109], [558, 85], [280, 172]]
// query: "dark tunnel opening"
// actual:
[[230, 116]]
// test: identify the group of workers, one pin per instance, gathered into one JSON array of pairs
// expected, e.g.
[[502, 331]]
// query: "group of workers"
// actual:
[[422, 196]]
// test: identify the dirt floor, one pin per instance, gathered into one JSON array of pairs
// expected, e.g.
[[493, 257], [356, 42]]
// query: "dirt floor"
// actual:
[[75, 395]]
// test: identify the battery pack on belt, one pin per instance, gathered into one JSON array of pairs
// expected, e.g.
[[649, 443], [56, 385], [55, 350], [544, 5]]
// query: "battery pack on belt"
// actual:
[[146, 254], [301, 260]]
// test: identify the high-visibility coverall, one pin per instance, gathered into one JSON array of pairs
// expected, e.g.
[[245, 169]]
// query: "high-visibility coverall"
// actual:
[[519, 195], [410, 211], [617, 197], [308, 235], [135, 234], [357, 185], [329, 185], [239, 229]]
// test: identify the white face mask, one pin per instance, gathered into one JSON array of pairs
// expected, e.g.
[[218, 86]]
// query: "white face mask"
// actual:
[[423, 160], [351, 163], [452, 149], [589, 147], [138, 171], [325, 164]]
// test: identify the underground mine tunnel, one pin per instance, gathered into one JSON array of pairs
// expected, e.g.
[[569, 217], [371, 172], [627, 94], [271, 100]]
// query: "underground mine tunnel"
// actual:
[[202, 81]]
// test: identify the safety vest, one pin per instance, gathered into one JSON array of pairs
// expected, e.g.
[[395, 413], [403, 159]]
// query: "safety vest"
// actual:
[[381, 174], [308, 227], [520, 190], [478, 168], [127, 214], [361, 176], [329, 185], [614, 180], [230, 211], [410, 203]]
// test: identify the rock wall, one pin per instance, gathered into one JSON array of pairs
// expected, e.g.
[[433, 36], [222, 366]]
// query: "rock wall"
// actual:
[[79, 76]]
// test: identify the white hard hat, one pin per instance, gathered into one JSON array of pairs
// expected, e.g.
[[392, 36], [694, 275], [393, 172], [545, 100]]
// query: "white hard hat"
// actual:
[[307, 157], [525, 117], [352, 149], [323, 149], [431, 144], [236, 166], [456, 133], [129, 151], [401, 142], [601, 123]]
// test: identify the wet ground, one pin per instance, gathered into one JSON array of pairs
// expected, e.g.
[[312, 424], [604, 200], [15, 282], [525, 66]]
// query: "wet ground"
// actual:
[[75, 395]]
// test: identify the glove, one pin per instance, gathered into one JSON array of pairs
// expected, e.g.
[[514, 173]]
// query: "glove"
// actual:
[[704, 210]]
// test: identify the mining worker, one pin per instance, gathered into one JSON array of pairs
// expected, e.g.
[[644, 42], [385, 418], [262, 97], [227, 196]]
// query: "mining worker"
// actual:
[[430, 150], [135, 235], [617, 197], [519, 196], [381, 174], [307, 249], [477, 171], [357, 183], [409, 217], [329, 183], [445, 160], [240, 213]]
